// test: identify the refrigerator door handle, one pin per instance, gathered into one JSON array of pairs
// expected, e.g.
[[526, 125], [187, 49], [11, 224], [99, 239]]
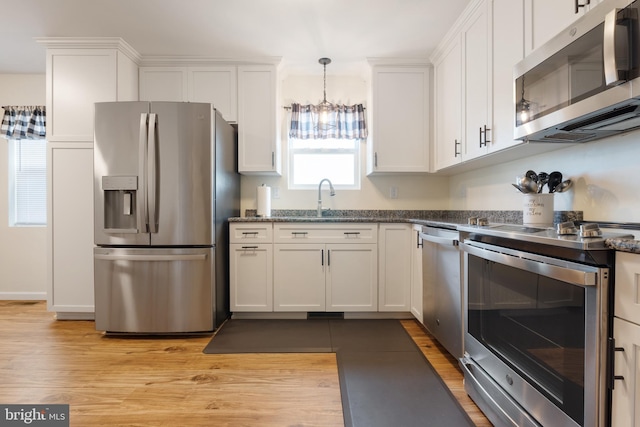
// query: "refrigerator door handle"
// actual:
[[142, 173], [151, 174], [186, 257]]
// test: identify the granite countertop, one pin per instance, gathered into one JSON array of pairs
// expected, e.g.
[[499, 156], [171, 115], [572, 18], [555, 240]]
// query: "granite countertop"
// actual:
[[440, 218]]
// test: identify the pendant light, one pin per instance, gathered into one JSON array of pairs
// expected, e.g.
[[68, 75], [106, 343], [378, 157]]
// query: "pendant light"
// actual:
[[523, 108], [325, 108]]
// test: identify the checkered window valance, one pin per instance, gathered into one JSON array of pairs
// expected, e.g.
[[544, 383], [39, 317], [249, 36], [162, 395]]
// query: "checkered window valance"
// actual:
[[24, 122], [341, 122]]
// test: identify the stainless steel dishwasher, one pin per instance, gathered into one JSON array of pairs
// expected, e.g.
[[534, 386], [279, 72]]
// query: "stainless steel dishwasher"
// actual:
[[442, 287]]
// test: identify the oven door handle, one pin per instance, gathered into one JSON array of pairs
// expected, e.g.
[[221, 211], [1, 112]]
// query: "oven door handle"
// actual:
[[564, 274]]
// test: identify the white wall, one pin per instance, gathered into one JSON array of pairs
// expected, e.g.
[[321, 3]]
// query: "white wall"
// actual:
[[605, 175], [414, 191], [23, 250]]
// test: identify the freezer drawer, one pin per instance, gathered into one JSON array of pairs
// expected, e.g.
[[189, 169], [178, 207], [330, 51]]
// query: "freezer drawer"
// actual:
[[154, 291]]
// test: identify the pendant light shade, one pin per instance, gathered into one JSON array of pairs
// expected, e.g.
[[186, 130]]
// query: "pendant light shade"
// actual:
[[325, 108]]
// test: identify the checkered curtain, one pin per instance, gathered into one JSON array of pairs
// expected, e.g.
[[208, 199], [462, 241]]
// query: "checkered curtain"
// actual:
[[24, 122], [345, 122]]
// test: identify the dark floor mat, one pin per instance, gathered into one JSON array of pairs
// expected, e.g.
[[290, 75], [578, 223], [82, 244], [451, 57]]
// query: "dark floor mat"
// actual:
[[369, 335], [271, 336], [384, 378], [381, 389]]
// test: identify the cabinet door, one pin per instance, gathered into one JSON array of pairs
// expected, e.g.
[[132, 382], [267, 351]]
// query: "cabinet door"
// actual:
[[351, 283], [70, 213], [477, 82], [163, 84], [400, 137], [395, 267], [448, 107], [546, 18], [627, 286], [76, 79], [251, 277], [626, 392], [258, 141], [416, 274], [217, 85], [299, 277], [508, 36]]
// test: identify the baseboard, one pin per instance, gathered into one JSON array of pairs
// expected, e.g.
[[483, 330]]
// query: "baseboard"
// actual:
[[23, 296]]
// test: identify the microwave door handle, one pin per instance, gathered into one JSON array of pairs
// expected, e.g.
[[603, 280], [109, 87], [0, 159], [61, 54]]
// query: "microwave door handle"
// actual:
[[152, 173], [143, 219], [611, 75]]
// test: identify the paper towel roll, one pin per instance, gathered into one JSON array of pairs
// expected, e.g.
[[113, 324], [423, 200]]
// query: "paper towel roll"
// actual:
[[264, 201]]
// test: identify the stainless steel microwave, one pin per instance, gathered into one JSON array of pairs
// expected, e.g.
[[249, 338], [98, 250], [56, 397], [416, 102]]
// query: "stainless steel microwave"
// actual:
[[584, 83]]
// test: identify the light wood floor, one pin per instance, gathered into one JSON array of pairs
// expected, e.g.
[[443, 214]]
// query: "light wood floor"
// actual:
[[169, 382]]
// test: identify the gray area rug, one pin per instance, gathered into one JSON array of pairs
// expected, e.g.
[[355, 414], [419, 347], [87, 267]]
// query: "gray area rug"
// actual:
[[384, 378]]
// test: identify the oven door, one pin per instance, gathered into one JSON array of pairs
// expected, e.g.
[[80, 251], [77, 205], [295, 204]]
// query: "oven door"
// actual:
[[536, 326]]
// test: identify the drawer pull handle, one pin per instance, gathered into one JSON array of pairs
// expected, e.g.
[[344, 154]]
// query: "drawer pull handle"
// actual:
[[249, 247], [297, 233], [351, 232], [251, 233]]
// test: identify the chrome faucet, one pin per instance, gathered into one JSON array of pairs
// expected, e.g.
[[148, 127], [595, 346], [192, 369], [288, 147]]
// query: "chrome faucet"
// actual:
[[332, 192]]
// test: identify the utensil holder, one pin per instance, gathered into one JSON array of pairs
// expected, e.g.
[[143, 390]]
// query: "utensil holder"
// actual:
[[537, 209]]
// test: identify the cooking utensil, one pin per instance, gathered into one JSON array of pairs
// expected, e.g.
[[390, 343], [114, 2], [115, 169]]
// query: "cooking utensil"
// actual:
[[543, 179], [555, 178], [531, 175], [563, 186], [520, 189]]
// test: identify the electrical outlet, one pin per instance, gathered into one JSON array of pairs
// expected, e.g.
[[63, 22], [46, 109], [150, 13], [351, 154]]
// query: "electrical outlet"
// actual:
[[275, 192], [393, 192]]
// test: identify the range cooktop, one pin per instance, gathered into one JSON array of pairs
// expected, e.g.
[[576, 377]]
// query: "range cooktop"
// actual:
[[587, 236]]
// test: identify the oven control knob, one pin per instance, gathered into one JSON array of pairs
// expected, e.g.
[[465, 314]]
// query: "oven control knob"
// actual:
[[565, 228], [590, 230], [483, 221]]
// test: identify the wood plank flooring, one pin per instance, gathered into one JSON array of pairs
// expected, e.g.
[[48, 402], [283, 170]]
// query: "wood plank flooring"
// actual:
[[169, 381]]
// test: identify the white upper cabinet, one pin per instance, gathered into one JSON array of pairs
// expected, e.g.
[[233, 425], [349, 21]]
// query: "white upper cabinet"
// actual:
[[448, 106], [163, 84], [477, 83], [258, 130], [217, 85], [214, 84], [399, 127], [546, 18], [508, 50], [76, 79], [474, 100]]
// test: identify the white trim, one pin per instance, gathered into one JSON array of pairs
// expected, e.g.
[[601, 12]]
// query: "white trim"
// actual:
[[23, 296], [62, 315]]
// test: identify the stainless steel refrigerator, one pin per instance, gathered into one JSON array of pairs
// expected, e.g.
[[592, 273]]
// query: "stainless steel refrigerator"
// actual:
[[165, 182]]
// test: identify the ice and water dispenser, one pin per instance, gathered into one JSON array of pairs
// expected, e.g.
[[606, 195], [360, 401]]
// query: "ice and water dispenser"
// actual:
[[120, 195]]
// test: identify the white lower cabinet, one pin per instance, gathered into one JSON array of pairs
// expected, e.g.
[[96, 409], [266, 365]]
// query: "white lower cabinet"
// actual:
[[394, 287], [416, 273], [626, 333], [626, 391], [251, 272], [325, 277], [251, 267]]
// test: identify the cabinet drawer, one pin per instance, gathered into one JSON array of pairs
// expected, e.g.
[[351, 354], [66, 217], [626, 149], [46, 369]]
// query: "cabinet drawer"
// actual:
[[627, 287], [325, 233], [250, 233]]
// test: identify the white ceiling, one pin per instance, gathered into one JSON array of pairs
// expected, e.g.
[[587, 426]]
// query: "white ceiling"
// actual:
[[298, 31]]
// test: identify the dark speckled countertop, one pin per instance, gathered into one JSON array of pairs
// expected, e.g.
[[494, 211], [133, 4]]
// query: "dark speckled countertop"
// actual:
[[442, 218]]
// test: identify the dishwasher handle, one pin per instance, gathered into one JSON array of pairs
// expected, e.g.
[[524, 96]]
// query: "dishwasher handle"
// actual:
[[445, 241]]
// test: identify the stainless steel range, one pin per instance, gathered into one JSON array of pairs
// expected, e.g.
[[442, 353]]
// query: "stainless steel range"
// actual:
[[537, 323]]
